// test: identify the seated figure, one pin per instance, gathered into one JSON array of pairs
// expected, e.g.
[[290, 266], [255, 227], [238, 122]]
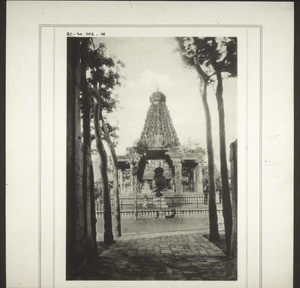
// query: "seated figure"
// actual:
[[159, 180]]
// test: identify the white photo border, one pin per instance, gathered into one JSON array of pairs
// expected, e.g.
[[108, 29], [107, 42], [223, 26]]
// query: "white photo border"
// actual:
[[51, 32]]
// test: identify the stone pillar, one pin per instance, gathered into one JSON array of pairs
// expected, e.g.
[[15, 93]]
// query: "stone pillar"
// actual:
[[200, 184], [172, 185], [135, 188], [178, 175], [195, 180], [131, 177], [146, 186]]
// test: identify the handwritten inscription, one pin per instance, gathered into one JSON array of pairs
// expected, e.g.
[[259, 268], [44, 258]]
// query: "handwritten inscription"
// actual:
[[82, 34]]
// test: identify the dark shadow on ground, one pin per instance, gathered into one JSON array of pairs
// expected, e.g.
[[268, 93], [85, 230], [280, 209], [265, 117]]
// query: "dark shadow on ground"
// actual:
[[168, 256], [231, 263], [161, 249], [159, 268]]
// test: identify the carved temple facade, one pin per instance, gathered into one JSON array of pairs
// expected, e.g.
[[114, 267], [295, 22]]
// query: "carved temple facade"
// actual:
[[182, 171]]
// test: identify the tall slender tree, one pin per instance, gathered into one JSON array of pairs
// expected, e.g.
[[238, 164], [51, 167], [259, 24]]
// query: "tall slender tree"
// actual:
[[86, 123], [223, 59], [192, 58], [215, 58], [108, 235], [117, 210], [104, 77]]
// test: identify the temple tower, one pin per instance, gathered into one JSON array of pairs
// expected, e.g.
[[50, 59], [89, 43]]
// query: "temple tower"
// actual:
[[159, 136], [182, 172], [159, 132]]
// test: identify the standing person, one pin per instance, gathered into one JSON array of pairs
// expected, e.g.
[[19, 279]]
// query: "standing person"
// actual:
[[145, 203], [219, 189]]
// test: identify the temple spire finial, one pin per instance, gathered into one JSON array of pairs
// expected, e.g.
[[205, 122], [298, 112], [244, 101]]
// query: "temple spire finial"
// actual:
[[157, 88]]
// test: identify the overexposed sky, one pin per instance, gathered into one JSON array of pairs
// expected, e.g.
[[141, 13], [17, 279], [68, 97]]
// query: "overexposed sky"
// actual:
[[154, 62]]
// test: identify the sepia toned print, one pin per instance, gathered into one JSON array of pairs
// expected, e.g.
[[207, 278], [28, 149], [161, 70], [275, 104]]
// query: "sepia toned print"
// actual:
[[151, 158]]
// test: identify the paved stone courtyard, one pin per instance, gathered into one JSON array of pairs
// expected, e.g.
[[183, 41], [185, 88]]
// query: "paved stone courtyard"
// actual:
[[153, 226], [179, 255]]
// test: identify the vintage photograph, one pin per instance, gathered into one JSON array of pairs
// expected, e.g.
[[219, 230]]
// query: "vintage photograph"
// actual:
[[152, 158], [155, 144]]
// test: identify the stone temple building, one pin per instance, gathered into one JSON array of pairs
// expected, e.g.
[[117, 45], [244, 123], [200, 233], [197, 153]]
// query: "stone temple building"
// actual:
[[182, 171]]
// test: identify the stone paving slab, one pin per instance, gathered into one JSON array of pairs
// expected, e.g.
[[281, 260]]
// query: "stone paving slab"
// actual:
[[161, 256], [191, 243]]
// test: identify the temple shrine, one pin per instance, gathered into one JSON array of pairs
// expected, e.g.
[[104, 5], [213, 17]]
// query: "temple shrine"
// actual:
[[182, 171]]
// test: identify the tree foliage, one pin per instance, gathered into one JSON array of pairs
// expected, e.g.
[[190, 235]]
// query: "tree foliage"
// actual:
[[137, 148], [193, 147], [103, 76], [213, 53]]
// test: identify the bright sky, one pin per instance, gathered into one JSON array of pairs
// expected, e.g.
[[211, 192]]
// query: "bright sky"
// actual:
[[152, 62]]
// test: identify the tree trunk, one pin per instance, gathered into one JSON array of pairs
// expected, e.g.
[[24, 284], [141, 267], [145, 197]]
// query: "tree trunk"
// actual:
[[227, 212], [213, 217], [73, 83], [234, 197], [117, 211], [135, 187], [87, 158], [86, 110], [93, 208], [108, 235]]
